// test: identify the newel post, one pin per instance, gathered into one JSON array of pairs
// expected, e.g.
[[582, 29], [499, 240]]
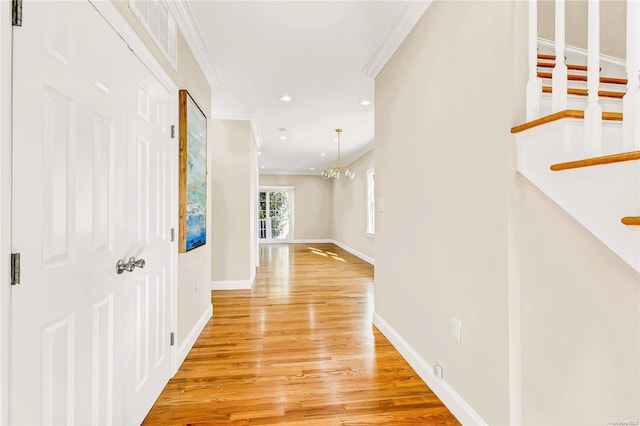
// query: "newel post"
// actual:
[[631, 100], [559, 76], [534, 85], [593, 112]]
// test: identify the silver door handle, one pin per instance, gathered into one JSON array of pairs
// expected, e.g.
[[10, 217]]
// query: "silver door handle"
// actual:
[[121, 266]]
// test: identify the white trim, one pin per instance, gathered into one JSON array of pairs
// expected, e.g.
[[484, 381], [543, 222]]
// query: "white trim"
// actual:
[[313, 241], [355, 252], [371, 202], [405, 23], [6, 33], [579, 51], [184, 18], [449, 397], [257, 135], [289, 173], [276, 188], [232, 285], [193, 335]]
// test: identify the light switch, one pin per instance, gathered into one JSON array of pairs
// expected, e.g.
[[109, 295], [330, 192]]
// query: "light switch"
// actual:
[[380, 204]]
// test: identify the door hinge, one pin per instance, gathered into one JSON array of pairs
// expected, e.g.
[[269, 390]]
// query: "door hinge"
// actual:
[[15, 268], [172, 338], [173, 234], [16, 12], [173, 131]]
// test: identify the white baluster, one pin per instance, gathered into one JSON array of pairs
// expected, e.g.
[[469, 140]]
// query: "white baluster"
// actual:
[[559, 76], [534, 85], [593, 112], [631, 100]]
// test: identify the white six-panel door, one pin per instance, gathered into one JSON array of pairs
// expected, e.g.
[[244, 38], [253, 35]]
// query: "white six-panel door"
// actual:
[[92, 168], [150, 173]]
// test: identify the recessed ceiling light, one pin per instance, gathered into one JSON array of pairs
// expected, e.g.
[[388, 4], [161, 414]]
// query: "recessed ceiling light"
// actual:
[[312, 168], [286, 98], [259, 152], [323, 154], [262, 167], [284, 137], [365, 102]]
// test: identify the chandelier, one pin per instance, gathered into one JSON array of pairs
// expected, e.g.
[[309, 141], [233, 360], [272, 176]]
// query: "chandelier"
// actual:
[[337, 171]]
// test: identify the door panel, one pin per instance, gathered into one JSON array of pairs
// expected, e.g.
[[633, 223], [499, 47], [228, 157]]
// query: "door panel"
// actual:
[[85, 194], [148, 238]]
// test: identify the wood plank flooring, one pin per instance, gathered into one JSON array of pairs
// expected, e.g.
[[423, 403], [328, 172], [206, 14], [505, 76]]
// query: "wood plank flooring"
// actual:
[[298, 349]]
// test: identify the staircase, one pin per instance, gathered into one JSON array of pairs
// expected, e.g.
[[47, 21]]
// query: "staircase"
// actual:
[[596, 180]]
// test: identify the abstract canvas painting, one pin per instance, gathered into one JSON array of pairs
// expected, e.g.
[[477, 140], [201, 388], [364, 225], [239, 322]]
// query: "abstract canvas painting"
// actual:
[[193, 174]]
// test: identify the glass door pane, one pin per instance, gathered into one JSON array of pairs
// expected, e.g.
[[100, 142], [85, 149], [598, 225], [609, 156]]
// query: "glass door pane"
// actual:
[[262, 215], [279, 215]]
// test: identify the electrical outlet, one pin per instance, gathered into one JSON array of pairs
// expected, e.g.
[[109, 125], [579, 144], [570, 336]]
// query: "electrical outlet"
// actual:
[[437, 370], [381, 204], [455, 329]]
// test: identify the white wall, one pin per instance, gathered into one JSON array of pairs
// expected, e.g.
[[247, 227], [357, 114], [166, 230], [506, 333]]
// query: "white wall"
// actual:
[[313, 204], [350, 208], [445, 104], [234, 151], [550, 318], [580, 321]]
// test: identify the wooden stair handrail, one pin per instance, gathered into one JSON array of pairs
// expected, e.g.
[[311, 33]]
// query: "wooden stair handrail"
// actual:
[[597, 161], [584, 92], [569, 113], [631, 220]]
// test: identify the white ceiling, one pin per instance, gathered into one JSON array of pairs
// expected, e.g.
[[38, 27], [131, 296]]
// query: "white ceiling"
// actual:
[[317, 52]]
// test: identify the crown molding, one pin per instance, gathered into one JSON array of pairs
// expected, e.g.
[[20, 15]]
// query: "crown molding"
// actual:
[[184, 18], [361, 152], [403, 26], [290, 173], [231, 114]]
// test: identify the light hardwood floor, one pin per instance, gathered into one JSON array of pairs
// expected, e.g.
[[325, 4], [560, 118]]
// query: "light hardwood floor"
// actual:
[[299, 348]]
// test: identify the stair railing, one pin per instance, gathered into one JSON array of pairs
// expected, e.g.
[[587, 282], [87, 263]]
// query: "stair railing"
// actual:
[[534, 84], [593, 112], [631, 100], [559, 75]]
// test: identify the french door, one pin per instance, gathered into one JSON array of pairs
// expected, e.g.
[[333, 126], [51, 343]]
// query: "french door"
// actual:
[[92, 171], [275, 214]]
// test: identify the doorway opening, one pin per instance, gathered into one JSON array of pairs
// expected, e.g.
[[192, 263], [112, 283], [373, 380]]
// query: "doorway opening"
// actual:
[[275, 214]]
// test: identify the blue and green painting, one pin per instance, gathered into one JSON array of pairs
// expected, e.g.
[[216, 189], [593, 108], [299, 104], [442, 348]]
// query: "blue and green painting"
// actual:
[[196, 226]]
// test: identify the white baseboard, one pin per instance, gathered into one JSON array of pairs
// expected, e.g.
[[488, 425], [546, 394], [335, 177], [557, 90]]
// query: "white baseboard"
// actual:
[[449, 397], [312, 241], [232, 285], [191, 338], [354, 252]]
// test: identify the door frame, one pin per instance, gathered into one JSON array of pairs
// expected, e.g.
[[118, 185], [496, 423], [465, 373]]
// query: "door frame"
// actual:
[[6, 43], [278, 188]]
